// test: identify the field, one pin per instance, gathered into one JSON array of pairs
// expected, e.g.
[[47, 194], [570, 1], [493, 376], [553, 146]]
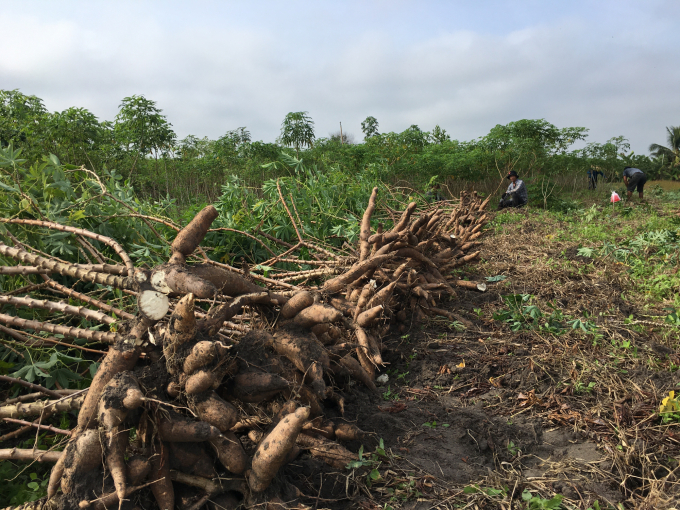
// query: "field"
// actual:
[[544, 380], [550, 383]]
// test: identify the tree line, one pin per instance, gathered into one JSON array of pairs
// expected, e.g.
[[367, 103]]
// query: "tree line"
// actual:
[[140, 144]]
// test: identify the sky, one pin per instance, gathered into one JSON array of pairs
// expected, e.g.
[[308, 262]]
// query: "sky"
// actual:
[[213, 66]]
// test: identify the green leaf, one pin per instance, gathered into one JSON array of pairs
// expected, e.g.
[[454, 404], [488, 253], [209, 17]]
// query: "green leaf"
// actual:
[[471, 489], [498, 278], [555, 502]]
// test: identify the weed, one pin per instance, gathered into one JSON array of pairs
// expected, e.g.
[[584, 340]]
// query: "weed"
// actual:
[[512, 448], [489, 491], [390, 395], [433, 424], [670, 408], [539, 503], [580, 387], [458, 326]]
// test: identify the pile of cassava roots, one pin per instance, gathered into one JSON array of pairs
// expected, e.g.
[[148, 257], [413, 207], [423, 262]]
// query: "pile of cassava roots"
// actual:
[[183, 387]]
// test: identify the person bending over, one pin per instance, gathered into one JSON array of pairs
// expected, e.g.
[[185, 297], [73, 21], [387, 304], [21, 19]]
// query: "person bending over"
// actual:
[[516, 195], [634, 178]]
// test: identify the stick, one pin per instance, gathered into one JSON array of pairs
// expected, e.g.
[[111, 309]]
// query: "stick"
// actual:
[[71, 332], [87, 299], [278, 186], [79, 231], [41, 427], [29, 455], [58, 307], [36, 408], [38, 341], [65, 269], [33, 396]]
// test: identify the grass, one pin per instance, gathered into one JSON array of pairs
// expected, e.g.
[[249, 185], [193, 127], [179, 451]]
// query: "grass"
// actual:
[[666, 185]]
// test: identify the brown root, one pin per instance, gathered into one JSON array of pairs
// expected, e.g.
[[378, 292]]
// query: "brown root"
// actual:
[[274, 449], [162, 487], [213, 410], [296, 304], [256, 386], [230, 453]]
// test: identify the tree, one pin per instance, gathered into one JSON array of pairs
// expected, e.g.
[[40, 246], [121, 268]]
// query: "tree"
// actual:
[[75, 135], [21, 120], [297, 130], [141, 127], [414, 136], [439, 135], [670, 155], [369, 127]]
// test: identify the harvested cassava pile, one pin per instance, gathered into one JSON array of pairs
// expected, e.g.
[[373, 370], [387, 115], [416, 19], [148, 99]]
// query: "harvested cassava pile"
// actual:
[[192, 384]]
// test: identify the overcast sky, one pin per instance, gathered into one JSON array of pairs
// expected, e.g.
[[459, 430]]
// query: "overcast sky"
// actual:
[[610, 66]]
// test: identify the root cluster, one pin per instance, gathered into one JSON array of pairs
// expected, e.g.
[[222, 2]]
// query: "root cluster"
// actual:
[[180, 390]]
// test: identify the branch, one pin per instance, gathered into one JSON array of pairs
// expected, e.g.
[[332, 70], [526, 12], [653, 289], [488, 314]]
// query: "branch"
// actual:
[[278, 186], [65, 269], [57, 307], [23, 270], [39, 341], [301, 275], [30, 386], [71, 332], [15, 433], [87, 299], [39, 426], [37, 408], [85, 233], [29, 455], [225, 229], [34, 396]]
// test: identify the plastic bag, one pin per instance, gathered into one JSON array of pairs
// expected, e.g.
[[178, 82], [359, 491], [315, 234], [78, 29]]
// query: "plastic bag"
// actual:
[[615, 197]]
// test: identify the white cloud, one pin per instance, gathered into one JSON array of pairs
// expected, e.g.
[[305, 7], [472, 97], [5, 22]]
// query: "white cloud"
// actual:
[[210, 73]]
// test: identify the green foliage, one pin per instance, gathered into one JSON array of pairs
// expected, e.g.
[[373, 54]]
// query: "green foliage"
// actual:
[[20, 486], [433, 424], [369, 127], [57, 368], [297, 131], [651, 257], [669, 409], [539, 503], [668, 156], [488, 491], [523, 314], [141, 144]]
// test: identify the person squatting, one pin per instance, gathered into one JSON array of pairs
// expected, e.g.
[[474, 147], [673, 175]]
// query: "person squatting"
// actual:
[[516, 194]]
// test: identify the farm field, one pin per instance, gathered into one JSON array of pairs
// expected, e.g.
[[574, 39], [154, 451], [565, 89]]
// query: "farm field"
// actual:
[[550, 384], [544, 390], [399, 352]]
